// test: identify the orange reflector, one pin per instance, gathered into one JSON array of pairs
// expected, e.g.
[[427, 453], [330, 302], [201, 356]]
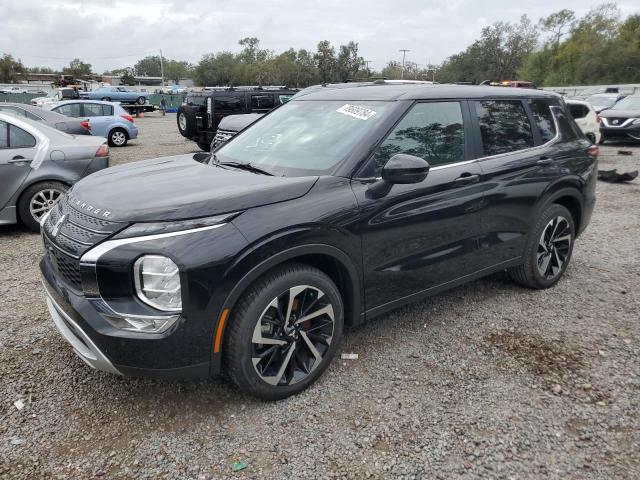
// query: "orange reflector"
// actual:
[[221, 322]]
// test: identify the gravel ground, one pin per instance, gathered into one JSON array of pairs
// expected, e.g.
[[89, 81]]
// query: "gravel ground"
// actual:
[[489, 380]]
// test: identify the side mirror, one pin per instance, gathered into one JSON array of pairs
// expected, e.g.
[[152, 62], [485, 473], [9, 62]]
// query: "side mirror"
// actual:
[[404, 169]]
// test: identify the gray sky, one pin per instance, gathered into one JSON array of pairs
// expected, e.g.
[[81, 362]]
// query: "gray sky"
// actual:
[[116, 33]]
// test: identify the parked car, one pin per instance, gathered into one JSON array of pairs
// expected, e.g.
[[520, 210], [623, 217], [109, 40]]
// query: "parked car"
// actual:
[[13, 90], [56, 95], [106, 119], [199, 116], [52, 119], [119, 94], [622, 121], [602, 101], [38, 164], [173, 89], [586, 118], [334, 208], [229, 126]]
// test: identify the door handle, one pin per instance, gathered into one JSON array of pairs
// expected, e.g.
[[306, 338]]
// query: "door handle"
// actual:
[[18, 159], [542, 161], [467, 179]]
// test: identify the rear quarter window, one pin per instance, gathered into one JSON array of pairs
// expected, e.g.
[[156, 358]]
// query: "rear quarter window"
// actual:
[[544, 119], [228, 103], [504, 126]]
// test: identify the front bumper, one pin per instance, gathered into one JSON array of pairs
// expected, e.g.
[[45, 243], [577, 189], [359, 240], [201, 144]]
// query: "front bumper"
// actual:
[[79, 340], [631, 132]]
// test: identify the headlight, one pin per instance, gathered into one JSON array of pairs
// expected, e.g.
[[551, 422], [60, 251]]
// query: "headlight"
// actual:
[[636, 122], [157, 281], [143, 229]]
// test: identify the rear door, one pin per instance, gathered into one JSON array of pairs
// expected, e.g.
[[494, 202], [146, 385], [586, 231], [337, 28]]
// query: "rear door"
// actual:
[[17, 149], [420, 236], [100, 117], [519, 160]]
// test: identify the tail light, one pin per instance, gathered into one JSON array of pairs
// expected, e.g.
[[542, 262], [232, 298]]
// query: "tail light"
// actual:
[[593, 151], [85, 125], [128, 118], [103, 151], [598, 119]]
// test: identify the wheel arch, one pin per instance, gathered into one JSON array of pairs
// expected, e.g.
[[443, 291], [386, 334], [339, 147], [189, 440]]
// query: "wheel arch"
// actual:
[[569, 196], [329, 259]]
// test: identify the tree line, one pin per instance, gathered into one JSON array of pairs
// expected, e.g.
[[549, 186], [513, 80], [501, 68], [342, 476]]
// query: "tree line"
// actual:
[[560, 49]]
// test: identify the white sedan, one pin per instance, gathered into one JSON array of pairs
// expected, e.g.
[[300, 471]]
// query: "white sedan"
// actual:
[[586, 118]]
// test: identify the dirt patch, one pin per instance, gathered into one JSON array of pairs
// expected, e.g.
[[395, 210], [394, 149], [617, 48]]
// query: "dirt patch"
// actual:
[[559, 367]]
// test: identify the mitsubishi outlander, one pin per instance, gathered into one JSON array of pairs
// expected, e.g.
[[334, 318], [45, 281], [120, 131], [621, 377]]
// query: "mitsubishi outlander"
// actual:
[[339, 206]]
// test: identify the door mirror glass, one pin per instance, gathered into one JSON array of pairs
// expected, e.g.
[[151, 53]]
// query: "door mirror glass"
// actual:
[[405, 169]]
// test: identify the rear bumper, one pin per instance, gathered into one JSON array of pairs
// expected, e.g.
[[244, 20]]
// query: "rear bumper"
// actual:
[[133, 132]]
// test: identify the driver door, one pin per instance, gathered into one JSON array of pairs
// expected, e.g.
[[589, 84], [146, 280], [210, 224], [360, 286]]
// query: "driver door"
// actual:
[[418, 237]]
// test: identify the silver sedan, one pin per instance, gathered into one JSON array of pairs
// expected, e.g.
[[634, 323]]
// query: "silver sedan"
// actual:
[[38, 164], [73, 126]]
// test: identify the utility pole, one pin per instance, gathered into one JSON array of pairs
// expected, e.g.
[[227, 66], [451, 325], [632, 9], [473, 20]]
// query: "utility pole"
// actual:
[[161, 67], [367, 62], [404, 53]]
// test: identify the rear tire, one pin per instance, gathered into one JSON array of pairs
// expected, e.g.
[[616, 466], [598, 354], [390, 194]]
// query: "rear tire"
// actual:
[[548, 250], [271, 357], [118, 137], [186, 122], [37, 200]]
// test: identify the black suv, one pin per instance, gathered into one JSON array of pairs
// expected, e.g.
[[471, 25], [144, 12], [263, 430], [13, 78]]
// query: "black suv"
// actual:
[[339, 206], [198, 117]]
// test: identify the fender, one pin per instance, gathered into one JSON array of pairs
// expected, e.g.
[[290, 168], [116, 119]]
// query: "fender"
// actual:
[[353, 282], [561, 189]]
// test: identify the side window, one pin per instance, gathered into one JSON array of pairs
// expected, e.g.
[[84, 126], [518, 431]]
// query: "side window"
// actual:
[[18, 112], [96, 110], [577, 111], [228, 103], [4, 137], [504, 126], [261, 102], [564, 124], [284, 98], [18, 138], [433, 131], [69, 109], [107, 110], [544, 119]]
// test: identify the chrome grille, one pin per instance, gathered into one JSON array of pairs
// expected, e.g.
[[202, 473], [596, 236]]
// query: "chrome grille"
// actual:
[[66, 242], [221, 137]]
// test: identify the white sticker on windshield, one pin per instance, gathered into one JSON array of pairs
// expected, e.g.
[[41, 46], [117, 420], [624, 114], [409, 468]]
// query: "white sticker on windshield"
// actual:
[[363, 113]]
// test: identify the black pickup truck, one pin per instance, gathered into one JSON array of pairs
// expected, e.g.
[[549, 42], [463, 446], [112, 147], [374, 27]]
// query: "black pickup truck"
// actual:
[[198, 117]]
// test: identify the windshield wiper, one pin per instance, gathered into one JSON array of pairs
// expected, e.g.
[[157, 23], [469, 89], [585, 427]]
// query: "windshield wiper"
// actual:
[[245, 166]]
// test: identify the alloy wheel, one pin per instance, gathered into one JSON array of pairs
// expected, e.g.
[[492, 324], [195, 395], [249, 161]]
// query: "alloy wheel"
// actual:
[[292, 335], [554, 247], [118, 138], [43, 201], [182, 121]]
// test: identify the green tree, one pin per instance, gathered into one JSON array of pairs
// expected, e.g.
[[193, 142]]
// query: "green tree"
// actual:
[[148, 66], [127, 77], [176, 70], [10, 68], [348, 62], [77, 68], [558, 24], [325, 58]]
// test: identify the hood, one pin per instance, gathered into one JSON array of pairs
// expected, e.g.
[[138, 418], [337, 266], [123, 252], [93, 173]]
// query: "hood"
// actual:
[[178, 187], [235, 123], [620, 113]]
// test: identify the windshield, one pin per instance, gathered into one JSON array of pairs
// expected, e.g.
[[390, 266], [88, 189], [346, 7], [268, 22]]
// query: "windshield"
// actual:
[[304, 137], [629, 103], [601, 101]]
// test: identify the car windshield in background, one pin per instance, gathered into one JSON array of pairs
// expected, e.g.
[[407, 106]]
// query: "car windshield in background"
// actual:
[[601, 101], [629, 103], [304, 137]]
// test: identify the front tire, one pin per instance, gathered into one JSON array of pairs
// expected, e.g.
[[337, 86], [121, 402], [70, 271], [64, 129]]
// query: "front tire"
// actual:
[[141, 100], [106, 99], [284, 332], [37, 200], [548, 250], [118, 137]]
